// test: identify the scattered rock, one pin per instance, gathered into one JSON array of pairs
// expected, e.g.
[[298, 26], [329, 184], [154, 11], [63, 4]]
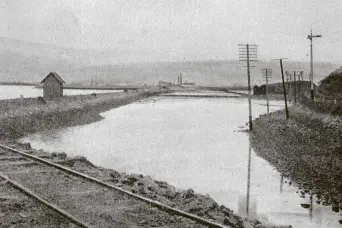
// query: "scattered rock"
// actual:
[[131, 179], [335, 208], [214, 206], [233, 221], [189, 194], [23, 215], [162, 184], [115, 174], [143, 222], [148, 184], [305, 205], [25, 146], [62, 155]]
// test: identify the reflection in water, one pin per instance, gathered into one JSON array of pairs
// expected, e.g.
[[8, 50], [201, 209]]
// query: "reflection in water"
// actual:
[[246, 207], [311, 206], [252, 208], [281, 183], [248, 176]]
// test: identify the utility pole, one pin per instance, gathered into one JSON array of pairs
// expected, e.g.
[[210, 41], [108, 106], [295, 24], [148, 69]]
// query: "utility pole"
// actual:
[[310, 37], [295, 87], [297, 75], [267, 73], [289, 81], [282, 77], [248, 53], [300, 82]]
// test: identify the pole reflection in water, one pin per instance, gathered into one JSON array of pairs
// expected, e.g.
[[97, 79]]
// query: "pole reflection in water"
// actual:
[[311, 206], [248, 177], [281, 183]]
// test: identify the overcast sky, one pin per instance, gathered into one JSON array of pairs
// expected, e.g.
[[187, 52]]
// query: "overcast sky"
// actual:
[[173, 30]]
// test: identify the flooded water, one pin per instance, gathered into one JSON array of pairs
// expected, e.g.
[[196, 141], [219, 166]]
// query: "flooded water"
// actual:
[[191, 143], [12, 92]]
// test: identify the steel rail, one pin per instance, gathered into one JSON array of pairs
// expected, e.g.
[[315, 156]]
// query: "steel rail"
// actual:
[[153, 203], [46, 203]]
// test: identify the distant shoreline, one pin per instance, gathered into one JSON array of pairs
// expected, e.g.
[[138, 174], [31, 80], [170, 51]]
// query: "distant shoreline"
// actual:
[[19, 83], [98, 88], [37, 85], [118, 87]]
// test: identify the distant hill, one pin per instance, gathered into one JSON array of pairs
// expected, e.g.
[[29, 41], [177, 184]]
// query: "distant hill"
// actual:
[[23, 61]]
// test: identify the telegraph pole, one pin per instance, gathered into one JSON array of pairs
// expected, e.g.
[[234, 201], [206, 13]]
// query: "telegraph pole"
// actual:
[[310, 37], [289, 81], [300, 82], [297, 75], [248, 53], [295, 87], [267, 73], [282, 77]]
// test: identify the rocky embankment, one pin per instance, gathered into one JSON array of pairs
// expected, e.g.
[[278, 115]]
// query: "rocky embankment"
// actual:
[[307, 148], [186, 200]]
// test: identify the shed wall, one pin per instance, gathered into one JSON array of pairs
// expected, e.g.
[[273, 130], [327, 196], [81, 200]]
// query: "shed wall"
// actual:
[[52, 88]]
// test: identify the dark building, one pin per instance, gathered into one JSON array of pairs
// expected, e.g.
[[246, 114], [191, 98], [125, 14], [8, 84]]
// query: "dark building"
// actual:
[[277, 88], [52, 86], [259, 90]]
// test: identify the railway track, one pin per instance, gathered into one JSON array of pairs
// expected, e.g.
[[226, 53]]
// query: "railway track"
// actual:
[[83, 200]]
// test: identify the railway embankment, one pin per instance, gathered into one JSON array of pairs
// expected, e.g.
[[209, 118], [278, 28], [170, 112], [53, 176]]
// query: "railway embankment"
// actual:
[[307, 148], [20, 117], [158, 191]]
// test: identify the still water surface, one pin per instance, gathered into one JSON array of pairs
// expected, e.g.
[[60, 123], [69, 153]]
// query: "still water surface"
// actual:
[[191, 143], [12, 92]]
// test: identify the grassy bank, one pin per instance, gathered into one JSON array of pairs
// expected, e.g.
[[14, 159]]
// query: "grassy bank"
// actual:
[[18, 119], [306, 148]]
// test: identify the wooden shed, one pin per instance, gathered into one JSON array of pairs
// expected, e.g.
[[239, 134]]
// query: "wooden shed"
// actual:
[[52, 86]]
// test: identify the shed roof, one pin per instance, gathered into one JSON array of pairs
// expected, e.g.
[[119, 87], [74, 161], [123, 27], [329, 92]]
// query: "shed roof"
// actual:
[[55, 75]]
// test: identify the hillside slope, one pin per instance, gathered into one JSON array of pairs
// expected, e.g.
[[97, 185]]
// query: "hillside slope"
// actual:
[[332, 84], [30, 62]]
